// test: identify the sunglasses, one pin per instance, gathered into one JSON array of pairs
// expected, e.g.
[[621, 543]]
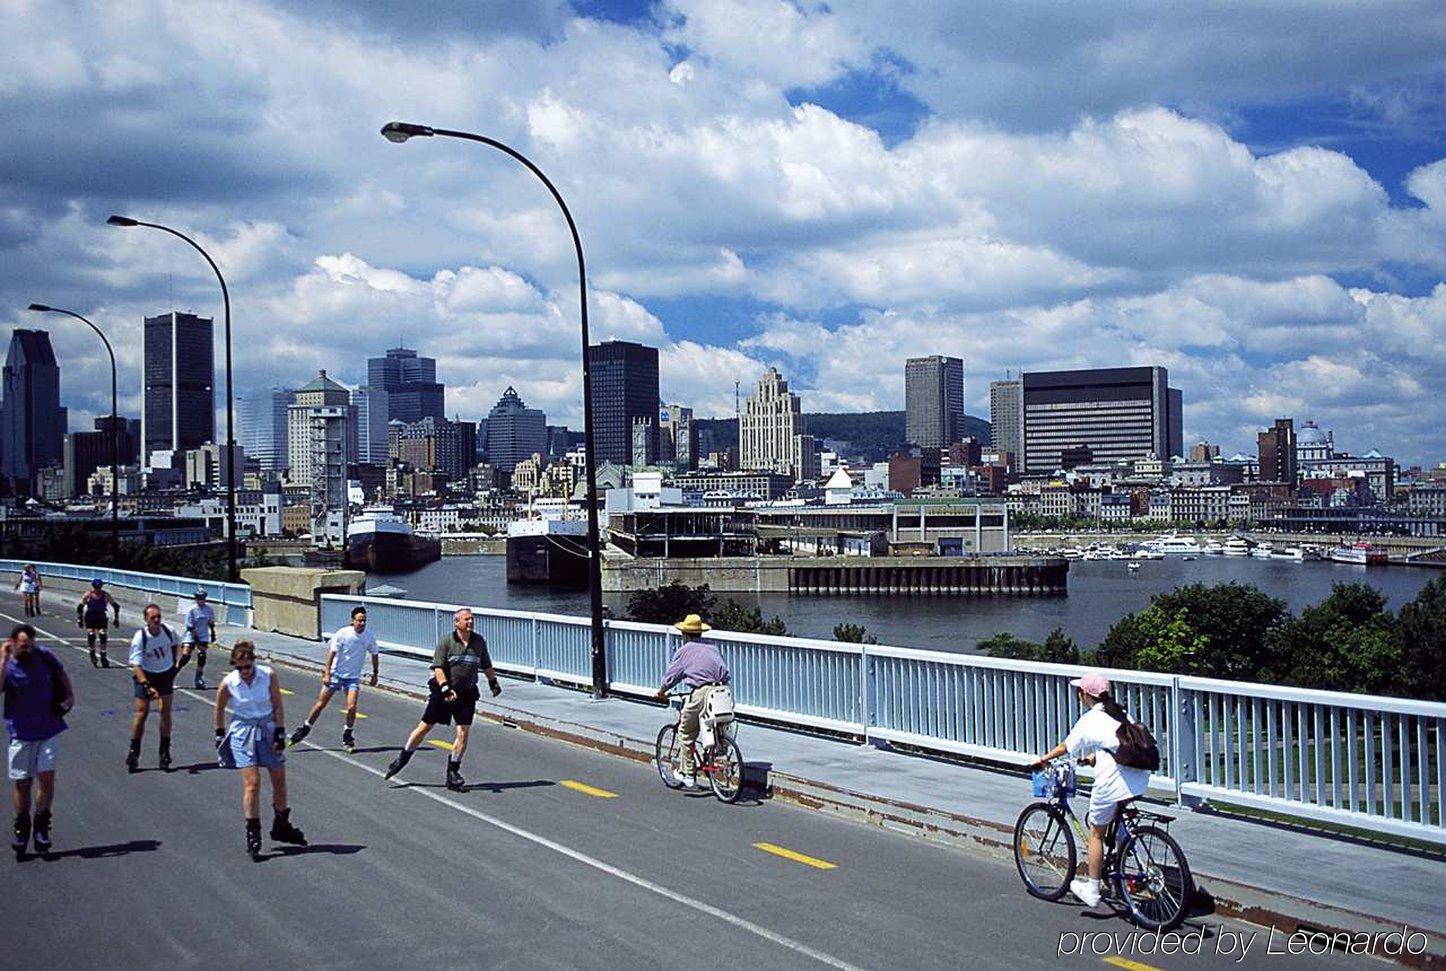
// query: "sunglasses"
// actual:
[[243, 668]]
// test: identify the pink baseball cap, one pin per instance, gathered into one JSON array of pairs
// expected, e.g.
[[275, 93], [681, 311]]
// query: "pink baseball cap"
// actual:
[[1093, 683]]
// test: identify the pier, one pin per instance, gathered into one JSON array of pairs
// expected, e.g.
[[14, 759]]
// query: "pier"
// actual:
[[1015, 576]]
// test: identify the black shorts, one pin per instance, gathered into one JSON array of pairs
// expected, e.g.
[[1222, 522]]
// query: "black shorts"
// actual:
[[164, 683], [441, 712]]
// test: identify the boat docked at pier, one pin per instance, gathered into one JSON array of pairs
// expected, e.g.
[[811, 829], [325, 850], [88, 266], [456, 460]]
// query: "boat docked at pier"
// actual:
[[380, 541], [550, 550], [1236, 546], [1358, 554], [1171, 544]]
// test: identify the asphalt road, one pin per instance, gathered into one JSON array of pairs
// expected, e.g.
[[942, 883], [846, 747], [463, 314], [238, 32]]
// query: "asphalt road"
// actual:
[[556, 856]]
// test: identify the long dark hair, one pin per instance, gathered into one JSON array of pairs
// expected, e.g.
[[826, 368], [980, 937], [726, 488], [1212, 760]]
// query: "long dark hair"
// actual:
[[1112, 707]]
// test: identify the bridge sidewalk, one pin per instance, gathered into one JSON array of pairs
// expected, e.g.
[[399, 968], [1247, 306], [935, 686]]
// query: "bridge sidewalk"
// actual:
[[1272, 873]]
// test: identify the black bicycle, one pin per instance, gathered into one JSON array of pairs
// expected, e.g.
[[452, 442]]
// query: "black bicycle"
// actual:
[[1143, 864]]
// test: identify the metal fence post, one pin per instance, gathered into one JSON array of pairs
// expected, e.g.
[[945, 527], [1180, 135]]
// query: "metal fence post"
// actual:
[[536, 649], [1183, 739], [868, 697]]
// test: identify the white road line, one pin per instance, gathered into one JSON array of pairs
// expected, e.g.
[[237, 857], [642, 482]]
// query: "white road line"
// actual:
[[742, 923]]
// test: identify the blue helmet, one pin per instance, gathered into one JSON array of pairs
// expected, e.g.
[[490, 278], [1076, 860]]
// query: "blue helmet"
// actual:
[[97, 583]]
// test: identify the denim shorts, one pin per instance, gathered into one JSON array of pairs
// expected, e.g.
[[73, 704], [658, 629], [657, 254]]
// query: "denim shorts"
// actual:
[[344, 685], [248, 748], [27, 759]]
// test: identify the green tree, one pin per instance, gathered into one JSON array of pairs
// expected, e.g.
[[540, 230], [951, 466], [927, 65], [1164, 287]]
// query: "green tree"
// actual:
[[1347, 642], [734, 616], [1170, 643], [670, 603], [1056, 649], [1236, 619], [853, 634], [1421, 633]]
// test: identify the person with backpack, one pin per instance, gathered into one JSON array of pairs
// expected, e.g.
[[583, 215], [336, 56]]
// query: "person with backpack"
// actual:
[[1121, 752], [153, 663], [38, 694]]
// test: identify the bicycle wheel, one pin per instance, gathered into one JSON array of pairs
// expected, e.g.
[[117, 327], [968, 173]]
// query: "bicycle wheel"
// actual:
[[1153, 878], [726, 774], [666, 755], [1044, 851]]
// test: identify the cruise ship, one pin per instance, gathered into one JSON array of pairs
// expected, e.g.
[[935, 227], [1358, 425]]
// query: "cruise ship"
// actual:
[[380, 541], [1358, 554]]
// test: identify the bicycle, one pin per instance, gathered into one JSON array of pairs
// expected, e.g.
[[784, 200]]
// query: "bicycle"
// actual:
[[1143, 863], [715, 753]]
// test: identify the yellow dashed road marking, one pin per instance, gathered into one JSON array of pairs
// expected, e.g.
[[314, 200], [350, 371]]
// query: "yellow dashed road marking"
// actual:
[[588, 790], [796, 857], [440, 744], [1129, 965]]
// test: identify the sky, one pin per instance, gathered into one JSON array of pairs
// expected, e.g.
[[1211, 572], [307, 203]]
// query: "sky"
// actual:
[[1250, 194]]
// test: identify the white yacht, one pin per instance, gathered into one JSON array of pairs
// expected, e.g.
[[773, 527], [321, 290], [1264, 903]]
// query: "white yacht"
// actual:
[[1288, 553], [1213, 547], [1261, 551], [1236, 546], [1171, 543]]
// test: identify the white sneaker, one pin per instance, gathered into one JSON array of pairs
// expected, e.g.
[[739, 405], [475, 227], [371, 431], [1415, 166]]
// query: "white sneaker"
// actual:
[[686, 780], [1089, 896]]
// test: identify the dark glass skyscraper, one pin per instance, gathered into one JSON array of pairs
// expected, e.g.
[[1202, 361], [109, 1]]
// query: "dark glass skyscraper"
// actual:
[[1120, 414], [410, 381], [514, 431], [933, 400], [178, 376], [624, 388], [32, 422]]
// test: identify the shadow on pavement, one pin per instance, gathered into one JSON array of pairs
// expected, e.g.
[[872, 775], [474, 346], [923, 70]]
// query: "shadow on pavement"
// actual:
[[333, 849], [481, 786], [101, 852], [197, 767]]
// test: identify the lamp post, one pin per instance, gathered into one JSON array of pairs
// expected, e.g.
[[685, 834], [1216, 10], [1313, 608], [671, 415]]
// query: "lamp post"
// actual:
[[399, 132], [232, 575], [41, 308]]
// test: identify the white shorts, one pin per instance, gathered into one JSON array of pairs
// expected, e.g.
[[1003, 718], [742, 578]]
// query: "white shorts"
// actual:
[[29, 758], [1102, 813]]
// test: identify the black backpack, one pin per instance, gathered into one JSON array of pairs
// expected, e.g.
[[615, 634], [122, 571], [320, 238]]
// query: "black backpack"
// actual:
[[1137, 747]]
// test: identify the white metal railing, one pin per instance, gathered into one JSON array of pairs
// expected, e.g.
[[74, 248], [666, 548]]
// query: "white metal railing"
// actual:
[[232, 601], [1377, 764]]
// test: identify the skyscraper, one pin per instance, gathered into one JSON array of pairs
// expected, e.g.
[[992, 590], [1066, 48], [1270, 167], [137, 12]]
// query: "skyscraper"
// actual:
[[178, 373], [1118, 413], [373, 411], [1006, 417], [624, 387], [310, 436], [771, 431], [514, 431], [1176, 424], [933, 400], [262, 427], [1277, 453], [410, 382], [32, 422], [677, 437]]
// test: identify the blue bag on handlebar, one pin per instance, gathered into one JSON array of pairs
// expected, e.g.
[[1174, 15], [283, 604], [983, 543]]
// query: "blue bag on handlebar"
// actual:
[[1052, 781]]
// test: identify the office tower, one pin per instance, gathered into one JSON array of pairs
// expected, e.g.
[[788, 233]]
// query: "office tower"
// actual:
[[933, 400], [178, 373], [32, 422], [1277, 452], [411, 385], [1177, 424], [514, 431], [466, 446], [677, 437], [373, 412], [772, 419], [431, 446], [1120, 414], [1006, 417], [624, 379], [332, 404], [262, 427], [84, 452]]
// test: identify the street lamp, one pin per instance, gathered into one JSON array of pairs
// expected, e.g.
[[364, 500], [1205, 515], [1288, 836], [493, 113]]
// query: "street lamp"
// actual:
[[397, 131], [232, 575], [41, 308]]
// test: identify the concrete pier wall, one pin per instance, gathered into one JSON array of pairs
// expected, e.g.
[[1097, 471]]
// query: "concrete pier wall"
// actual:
[[1015, 576]]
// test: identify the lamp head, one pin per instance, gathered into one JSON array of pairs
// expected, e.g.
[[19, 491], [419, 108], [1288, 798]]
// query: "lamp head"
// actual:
[[122, 221], [400, 131], [40, 308]]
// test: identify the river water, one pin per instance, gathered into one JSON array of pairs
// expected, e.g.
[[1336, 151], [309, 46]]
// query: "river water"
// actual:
[[1100, 593]]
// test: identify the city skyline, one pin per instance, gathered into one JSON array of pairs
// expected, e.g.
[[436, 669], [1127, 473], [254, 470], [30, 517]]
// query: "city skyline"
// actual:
[[1270, 226]]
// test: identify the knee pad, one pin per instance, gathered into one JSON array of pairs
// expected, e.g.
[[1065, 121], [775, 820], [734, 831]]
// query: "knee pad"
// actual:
[[90, 638]]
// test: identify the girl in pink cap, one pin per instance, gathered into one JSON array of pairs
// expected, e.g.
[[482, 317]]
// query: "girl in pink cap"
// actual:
[[1095, 735]]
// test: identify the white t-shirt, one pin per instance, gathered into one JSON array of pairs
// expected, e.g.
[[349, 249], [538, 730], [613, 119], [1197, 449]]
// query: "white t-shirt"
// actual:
[[198, 623], [351, 649], [249, 701], [1094, 734], [156, 654]]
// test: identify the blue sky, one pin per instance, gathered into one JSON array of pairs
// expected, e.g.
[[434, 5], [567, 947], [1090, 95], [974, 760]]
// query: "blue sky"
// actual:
[[1253, 195]]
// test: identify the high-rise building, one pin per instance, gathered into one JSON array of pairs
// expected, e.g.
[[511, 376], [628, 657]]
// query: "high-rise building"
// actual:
[[514, 431], [624, 378], [262, 427], [645, 443], [677, 437], [1006, 417], [411, 385], [771, 422], [431, 445], [372, 415], [333, 402], [84, 452], [1276, 447], [178, 374], [1176, 404], [933, 400], [1120, 414], [32, 421]]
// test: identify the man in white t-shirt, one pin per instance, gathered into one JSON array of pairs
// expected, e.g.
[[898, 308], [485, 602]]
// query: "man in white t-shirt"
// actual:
[[345, 653], [200, 634], [153, 664]]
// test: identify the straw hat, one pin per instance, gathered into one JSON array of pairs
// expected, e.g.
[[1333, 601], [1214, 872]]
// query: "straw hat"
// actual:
[[692, 624]]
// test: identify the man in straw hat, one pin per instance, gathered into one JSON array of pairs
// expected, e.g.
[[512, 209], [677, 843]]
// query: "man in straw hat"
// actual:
[[697, 665]]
